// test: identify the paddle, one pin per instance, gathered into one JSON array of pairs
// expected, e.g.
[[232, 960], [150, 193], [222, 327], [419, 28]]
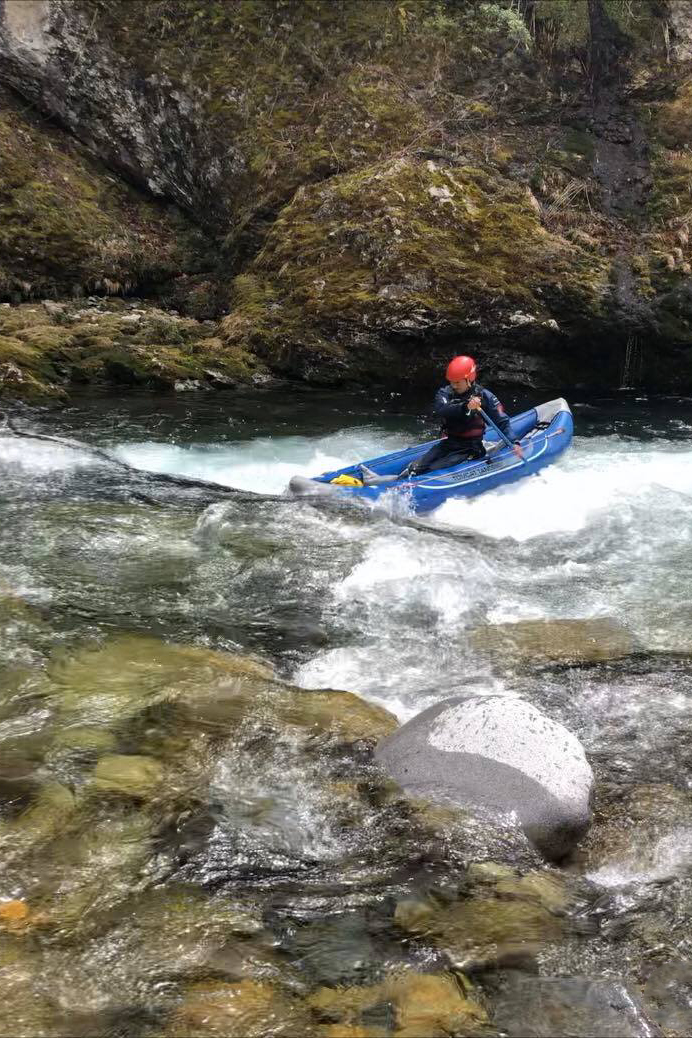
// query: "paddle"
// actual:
[[506, 440]]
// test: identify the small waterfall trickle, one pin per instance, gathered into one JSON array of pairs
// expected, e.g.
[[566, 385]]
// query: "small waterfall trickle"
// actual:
[[633, 364]]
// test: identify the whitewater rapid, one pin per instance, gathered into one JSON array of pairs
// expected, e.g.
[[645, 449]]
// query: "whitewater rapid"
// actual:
[[599, 534]]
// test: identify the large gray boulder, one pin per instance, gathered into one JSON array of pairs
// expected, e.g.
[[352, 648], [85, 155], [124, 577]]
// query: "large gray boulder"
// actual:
[[501, 753]]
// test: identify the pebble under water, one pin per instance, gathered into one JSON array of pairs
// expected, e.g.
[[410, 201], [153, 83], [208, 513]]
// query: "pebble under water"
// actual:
[[194, 839]]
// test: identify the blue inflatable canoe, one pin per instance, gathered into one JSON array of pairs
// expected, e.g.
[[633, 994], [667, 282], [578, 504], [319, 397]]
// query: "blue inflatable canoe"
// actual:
[[544, 432]]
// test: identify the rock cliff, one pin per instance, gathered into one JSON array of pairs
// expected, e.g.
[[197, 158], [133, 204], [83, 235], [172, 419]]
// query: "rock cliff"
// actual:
[[353, 190]]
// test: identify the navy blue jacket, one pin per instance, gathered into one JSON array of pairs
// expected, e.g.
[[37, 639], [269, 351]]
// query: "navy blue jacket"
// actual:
[[451, 410]]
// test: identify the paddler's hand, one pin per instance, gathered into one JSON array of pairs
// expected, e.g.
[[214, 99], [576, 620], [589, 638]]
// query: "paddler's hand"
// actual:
[[518, 451], [474, 403]]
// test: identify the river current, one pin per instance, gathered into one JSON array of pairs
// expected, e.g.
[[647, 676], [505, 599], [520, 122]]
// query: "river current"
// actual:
[[275, 865]]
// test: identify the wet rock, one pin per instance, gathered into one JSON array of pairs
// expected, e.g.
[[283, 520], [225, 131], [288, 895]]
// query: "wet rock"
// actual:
[[129, 775], [427, 1003], [85, 739], [481, 932], [94, 866], [53, 807], [24, 1008], [108, 683], [556, 641], [545, 888], [211, 692], [498, 753], [409, 1004], [668, 996], [335, 951], [578, 1007], [181, 931], [547, 891], [343, 715], [640, 834], [248, 1009]]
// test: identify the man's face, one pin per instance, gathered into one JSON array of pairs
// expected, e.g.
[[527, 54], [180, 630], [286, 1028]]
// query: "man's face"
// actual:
[[460, 385]]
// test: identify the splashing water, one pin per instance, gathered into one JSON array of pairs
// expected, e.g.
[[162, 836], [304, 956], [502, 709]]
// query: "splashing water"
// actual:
[[96, 581]]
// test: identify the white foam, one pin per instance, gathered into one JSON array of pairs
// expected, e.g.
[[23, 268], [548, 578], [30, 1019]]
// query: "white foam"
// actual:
[[565, 497], [40, 457], [264, 465]]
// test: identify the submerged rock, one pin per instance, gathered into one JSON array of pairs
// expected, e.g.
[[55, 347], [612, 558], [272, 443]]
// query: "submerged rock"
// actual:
[[112, 683], [130, 775], [109, 683], [248, 1009], [553, 1007], [593, 640], [52, 808], [497, 752], [668, 995], [641, 834], [482, 932], [408, 1004]]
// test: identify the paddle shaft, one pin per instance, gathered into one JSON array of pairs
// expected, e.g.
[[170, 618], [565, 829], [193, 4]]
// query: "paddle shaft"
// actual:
[[506, 440]]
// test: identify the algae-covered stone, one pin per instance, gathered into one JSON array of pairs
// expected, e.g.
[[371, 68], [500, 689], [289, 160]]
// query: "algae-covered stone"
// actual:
[[105, 346], [549, 891], [341, 714], [556, 641], [402, 247], [489, 872], [67, 223], [130, 775], [212, 691]]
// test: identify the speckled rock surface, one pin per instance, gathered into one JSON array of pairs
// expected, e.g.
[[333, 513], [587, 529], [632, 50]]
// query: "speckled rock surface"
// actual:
[[497, 752]]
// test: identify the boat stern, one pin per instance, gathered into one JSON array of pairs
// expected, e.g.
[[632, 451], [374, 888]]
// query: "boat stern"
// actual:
[[302, 486]]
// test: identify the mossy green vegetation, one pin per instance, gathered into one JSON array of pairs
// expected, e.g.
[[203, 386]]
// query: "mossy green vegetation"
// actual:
[[67, 226], [404, 171], [406, 244], [43, 354]]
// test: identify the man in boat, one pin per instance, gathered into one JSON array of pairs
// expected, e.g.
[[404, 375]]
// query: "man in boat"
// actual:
[[457, 407]]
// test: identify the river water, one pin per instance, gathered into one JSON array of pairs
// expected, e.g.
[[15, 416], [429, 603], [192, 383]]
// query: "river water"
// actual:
[[251, 868]]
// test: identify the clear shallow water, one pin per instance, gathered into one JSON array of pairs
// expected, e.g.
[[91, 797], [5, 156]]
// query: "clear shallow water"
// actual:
[[345, 600]]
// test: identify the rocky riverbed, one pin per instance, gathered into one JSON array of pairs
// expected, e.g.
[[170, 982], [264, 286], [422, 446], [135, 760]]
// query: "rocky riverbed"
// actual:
[[196, 837]]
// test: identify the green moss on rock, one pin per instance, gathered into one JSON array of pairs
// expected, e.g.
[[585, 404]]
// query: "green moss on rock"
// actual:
[[43, 352], [67, 226], [403, 246]]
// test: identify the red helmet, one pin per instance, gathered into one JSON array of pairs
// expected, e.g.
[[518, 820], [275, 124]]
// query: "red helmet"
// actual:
[[461, 367]]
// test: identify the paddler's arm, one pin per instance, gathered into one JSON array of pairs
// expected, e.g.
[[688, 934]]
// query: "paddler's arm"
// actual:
[[494, 409], [446, 406]]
